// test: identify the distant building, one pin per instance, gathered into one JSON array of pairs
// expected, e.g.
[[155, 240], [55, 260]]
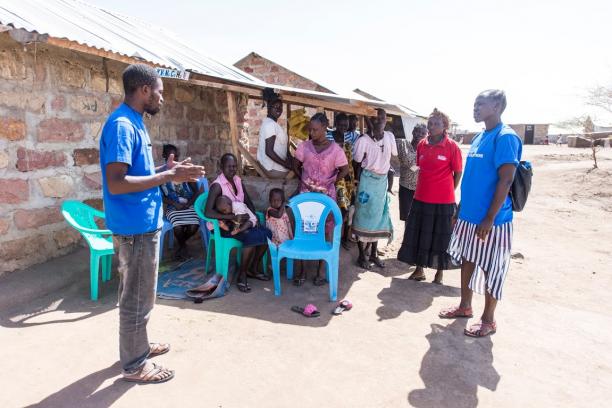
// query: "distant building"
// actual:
[[532, 134]]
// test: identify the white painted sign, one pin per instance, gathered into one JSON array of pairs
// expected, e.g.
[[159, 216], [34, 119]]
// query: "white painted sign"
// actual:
[[172, 73]]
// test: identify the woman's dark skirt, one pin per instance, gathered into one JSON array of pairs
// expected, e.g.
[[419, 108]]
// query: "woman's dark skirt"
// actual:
[[255, 236], [405, 202], [427, 235]]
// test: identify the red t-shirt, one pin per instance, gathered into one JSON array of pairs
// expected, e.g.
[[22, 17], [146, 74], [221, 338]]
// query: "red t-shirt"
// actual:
[[437, 163]]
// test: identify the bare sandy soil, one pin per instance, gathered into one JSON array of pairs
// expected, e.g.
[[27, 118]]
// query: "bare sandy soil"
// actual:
[[552, 348]]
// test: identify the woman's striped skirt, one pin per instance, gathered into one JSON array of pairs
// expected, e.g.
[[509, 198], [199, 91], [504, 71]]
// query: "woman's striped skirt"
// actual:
[[187, 216], [491, 256]]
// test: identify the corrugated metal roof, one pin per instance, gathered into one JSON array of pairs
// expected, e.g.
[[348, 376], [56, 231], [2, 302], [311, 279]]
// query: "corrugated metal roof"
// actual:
[[105, 30], [94, 27]]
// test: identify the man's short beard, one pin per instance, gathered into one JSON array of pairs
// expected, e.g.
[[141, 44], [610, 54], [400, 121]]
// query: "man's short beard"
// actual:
[[151, 111]]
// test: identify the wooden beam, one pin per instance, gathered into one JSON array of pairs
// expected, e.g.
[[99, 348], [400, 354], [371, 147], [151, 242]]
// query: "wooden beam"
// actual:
[[359, 109], [251, 92], [260, 170], [336, 106], [233, 122]]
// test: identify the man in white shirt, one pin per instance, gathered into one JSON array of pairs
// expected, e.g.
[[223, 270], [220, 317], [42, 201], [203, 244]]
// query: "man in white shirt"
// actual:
[[272, 151]]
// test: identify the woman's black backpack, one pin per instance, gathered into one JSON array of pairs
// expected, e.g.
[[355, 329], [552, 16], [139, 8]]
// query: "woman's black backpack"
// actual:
[[521, 185]]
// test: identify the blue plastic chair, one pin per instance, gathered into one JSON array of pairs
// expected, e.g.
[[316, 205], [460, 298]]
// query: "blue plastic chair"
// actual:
[[82, 218], [167, 227], [310, 211], [223, 246]]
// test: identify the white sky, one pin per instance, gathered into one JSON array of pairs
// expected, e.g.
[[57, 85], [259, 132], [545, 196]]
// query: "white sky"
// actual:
[[423, 54]]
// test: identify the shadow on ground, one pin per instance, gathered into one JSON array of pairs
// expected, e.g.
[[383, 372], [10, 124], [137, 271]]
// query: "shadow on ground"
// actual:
[[453, 368], [69, 304], [405, 295], [72, 303], [85, 392]]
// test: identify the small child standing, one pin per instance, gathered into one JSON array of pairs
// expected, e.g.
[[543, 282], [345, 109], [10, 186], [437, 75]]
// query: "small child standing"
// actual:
[[277, 217], [280, 221]]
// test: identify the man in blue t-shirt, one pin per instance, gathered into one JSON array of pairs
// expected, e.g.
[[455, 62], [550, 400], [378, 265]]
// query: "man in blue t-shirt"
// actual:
[[133, 209], [482, 236]]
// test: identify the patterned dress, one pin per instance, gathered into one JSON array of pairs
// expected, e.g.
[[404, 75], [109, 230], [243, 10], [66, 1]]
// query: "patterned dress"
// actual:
[[280, 227]]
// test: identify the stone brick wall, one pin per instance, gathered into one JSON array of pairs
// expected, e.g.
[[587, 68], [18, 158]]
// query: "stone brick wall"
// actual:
[[53, 103], [271, 73]]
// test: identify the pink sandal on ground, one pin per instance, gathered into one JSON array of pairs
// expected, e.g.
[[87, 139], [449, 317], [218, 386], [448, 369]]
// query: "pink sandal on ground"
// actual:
[[455, 312], [309, 311], [342, 306], [481, 329]]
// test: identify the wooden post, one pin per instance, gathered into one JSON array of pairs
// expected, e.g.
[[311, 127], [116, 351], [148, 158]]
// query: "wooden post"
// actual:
[[233, 122], [361, 124]]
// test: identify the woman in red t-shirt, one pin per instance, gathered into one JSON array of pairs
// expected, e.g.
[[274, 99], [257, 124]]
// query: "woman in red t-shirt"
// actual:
[[429, 226]]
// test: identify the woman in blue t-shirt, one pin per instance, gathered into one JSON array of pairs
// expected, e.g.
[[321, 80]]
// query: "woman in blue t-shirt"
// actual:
[[482, 236]]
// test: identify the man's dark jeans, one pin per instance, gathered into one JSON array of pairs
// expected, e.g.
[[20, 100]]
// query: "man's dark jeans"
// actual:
[[138, 264]]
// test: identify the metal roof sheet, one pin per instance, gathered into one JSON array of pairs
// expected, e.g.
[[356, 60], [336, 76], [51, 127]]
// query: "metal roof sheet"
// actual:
[[105, 30], [88, 25]]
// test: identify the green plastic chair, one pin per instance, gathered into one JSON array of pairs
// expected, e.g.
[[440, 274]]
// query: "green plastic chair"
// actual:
[[223, 246], [82, 218]]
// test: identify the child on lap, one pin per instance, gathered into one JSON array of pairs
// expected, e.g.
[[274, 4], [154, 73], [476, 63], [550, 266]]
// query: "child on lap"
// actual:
[[225, 206]]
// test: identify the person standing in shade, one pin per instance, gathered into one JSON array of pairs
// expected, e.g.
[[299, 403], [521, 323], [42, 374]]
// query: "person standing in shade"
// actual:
[[408, 168], [482, 236], [429, 226], [273, 149], [372, 161], [353, 133], [345, 187], [133, 209]]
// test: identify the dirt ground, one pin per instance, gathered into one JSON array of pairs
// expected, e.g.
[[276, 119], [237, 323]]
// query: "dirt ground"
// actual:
[[552, 348]]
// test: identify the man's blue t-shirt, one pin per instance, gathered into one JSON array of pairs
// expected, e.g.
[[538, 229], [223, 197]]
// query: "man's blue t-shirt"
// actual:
[[490, 150], [125, 140]]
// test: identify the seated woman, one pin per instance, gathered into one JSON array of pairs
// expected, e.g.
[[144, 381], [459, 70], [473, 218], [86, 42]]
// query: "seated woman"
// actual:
[[320, 163], [255, 239], [178, 200]]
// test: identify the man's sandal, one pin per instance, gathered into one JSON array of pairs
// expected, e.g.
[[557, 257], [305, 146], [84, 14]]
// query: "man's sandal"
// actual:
[[456, 312], [481, 329], [155, 374], [157, 349]]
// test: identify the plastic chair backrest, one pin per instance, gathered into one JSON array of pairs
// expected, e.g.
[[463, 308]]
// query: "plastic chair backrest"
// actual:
[[200, 209], [203, 182], [82, 217], [310, 211]]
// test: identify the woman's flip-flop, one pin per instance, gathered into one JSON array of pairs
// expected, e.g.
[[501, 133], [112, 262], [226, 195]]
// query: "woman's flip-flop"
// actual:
[[342, 306], [309, 311], [455, 312], [362, 263], [243, 287], [317, 281], [378, 262], [481, 329], [259, 276]]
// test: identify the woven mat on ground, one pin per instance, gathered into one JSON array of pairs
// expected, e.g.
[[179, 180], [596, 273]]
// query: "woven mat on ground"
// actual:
[[176, 278]]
